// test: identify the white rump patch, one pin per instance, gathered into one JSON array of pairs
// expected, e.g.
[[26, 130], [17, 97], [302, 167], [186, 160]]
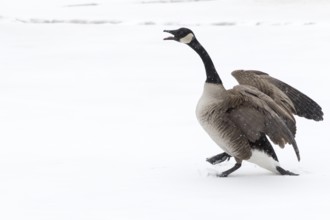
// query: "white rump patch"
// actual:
[[263, 160], [187, 39]]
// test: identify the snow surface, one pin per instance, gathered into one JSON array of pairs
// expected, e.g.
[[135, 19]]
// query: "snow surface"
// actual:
[[97, 111]]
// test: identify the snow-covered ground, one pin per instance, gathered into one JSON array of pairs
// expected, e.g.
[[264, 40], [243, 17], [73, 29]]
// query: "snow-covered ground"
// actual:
[[97, 111]]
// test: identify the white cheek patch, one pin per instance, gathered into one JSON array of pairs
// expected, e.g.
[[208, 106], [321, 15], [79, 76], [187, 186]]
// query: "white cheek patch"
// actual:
[[187, 39]]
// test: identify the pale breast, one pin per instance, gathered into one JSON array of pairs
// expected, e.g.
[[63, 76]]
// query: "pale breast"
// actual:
[[217, 137], [207, 110]]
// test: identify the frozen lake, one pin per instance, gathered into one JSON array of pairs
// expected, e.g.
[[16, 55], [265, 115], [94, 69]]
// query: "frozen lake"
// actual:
[[97, 112]]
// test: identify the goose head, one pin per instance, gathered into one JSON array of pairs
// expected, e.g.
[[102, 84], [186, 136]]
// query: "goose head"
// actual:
[[182, 35]]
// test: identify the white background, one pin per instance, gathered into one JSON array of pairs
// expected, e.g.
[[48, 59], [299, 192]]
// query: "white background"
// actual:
[[97, 111]]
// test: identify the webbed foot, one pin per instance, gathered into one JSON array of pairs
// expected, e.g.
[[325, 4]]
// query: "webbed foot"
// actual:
[[227, 172], [219, 158], [285, 172]]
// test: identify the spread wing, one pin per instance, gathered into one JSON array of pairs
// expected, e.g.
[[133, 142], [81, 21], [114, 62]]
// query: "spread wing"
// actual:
[[283, 94], [256, 114]]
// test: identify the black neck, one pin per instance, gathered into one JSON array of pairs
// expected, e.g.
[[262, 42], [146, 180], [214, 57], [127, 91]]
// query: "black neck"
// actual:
[[211, 73]]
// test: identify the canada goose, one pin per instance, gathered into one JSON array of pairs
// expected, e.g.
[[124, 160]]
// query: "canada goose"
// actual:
[[239, 119]]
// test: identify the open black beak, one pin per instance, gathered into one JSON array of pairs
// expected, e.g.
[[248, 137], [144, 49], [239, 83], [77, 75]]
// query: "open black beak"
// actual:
[[170, 37]]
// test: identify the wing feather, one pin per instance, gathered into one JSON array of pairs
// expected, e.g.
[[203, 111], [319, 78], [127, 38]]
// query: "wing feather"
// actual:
[[257, 114], [305, 106], [283, 94]]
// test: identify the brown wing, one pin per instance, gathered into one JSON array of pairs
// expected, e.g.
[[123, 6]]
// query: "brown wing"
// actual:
[[285, 95], [254, 78], [305, 106], [257, 80], [257, 114]]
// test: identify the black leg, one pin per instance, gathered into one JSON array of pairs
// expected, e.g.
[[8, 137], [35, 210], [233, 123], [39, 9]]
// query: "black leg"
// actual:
[[227, 172], [285, 172], [219, 158]]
